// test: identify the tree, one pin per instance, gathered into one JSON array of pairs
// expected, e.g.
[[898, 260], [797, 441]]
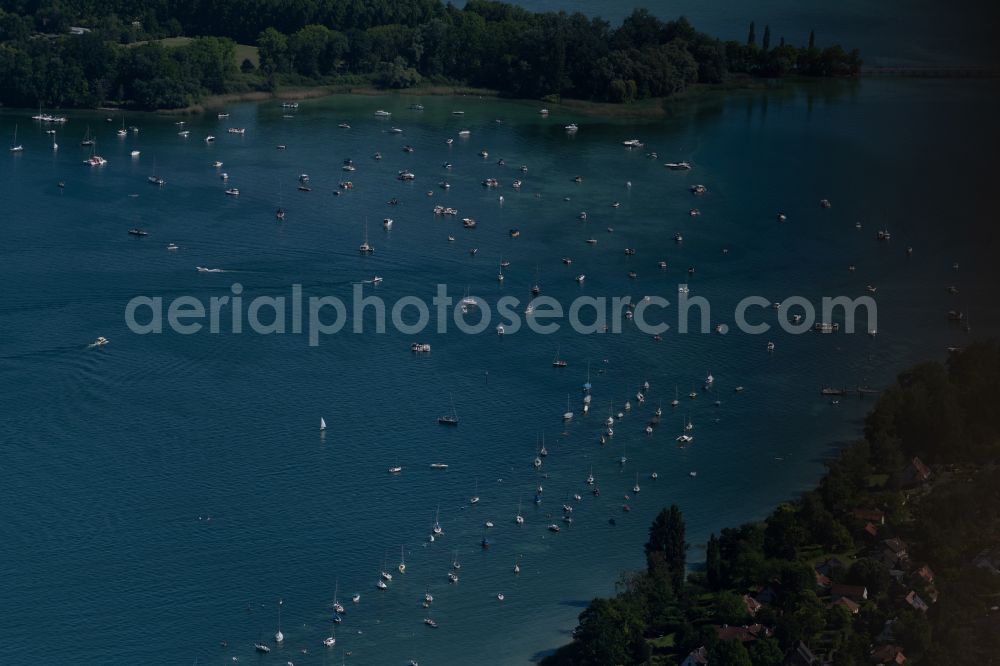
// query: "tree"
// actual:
[[272, 48], [666, 544], [812, 40], [766, 42], [713, 563], [752, 35], [766, 652], [246, 66], [730, 609], [610, 632], [730, 653]]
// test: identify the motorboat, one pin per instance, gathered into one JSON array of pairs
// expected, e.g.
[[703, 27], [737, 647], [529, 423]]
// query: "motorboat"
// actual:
[[678, 166]]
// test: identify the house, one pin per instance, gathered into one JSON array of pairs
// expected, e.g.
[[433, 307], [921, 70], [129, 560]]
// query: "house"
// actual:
[[744, 634], [897, 547], [77, 30], [856, 593], [870, 515], [844, 602], [988, 559], [871, 529], [822, 580], [752, 605], [768, 595], [829, 565], [925, 574], [917, 472], [801, 656], [697, 657], [914, 600], [888, 654]]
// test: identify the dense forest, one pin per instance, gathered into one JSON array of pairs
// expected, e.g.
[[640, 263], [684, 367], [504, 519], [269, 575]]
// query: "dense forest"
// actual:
[[894, 557], [64, 53]]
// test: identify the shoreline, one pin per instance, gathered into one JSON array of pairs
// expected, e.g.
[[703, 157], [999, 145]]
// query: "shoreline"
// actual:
[[647, 109]]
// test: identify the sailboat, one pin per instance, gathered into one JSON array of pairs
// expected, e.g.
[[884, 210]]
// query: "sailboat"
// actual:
[[684, 438], [278, 636], [449, 419], [337, 607], [586, 384], [365, 248], [331, 640], [455, 564], [88, 139], [558, 362], [402, 560], [568, 414], [518, 518], [15, 147], [155, 179], [475, 497], [436, 528], [675, 401], [623, 459], [635, 488], [535, 288], [122, 132], [590, 476], [322, 423], [543, 451], [55, 146]]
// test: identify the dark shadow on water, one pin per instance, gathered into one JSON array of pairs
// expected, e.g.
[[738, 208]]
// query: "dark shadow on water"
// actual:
[[575, 603]]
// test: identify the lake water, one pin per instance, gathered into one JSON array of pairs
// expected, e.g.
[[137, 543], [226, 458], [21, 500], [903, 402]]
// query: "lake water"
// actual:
[[115, 457]]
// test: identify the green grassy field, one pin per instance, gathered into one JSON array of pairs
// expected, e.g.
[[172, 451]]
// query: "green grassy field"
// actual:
[[243, 51]]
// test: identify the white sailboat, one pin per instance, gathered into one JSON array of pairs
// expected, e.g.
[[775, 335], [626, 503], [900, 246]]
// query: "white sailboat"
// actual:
[[337, 607], [15, 147], [518, 518], [675, 401], [322, 423], [402, 560], [436, 528], [475, 497], [635, 488], [365, 248], [278, 636], [568, 414]]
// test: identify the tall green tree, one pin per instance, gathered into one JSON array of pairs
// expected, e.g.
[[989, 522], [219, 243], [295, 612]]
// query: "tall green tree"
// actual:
[[713, 563], [666, 544]]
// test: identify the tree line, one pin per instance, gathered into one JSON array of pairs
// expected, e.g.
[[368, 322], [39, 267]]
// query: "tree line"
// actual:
[[388, 43], [777, 575]]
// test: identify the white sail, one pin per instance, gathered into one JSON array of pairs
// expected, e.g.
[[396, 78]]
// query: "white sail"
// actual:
[[322, 423]]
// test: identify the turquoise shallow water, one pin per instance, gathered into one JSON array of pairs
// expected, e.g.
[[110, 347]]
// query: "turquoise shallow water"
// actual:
[[114, 457]]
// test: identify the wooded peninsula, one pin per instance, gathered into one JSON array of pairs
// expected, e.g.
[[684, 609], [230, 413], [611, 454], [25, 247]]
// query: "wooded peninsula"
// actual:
[[169, 54], [894, 558]]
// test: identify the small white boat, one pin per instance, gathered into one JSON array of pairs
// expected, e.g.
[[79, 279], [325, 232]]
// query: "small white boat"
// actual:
[[100, 341], [382, 114], [387, 223], [209, 139], [135, 153], [322, 423], [571, 128], [233, 191]]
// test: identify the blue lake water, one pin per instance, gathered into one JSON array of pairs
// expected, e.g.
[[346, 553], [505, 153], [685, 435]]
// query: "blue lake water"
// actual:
[[115, 457]]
